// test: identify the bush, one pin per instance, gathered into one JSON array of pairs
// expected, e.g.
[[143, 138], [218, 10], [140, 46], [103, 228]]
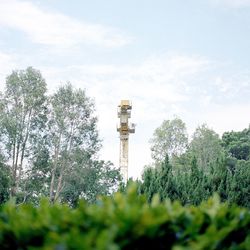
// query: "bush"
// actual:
[[125, 221]]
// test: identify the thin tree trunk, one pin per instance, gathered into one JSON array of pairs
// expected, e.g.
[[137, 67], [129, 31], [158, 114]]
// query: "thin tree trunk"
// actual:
[[65, 162], [24, 144], [15, 175], [18, 140], [13, 169], [14, 155], [52, 182], [59, 186]]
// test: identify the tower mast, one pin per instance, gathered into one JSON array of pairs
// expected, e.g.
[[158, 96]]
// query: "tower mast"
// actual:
[[124, 128]]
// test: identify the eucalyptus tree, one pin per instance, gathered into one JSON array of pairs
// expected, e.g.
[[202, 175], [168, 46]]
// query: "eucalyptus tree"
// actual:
[[73, 137], [22, 117], [206, 147], [170, 139], [50, 144], [66, 166]]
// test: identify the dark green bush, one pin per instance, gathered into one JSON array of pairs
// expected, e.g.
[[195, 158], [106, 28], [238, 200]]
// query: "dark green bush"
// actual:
[[125, 221]]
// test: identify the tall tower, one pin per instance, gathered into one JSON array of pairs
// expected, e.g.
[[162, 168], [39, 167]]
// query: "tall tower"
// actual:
[[124, 128]]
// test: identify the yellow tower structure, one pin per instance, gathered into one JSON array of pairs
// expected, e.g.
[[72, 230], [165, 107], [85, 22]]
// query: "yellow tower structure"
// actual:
[[124, 128]]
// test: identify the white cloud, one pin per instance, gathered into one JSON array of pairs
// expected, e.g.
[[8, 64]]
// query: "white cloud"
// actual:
[[51, 28], [155, 84]]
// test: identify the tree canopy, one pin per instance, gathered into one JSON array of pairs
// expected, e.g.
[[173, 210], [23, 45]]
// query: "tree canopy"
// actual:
[[210, 164], [206, 147], [169, 139], [50, 143]]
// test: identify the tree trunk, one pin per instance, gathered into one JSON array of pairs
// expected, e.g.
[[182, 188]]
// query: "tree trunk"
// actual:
[[24, 144], [64, 163], [53, 172]]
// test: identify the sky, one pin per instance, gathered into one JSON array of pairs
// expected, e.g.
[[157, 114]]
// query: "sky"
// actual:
[[188, 59]]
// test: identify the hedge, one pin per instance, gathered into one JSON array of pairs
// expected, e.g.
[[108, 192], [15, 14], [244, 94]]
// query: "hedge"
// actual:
[[125, 221]]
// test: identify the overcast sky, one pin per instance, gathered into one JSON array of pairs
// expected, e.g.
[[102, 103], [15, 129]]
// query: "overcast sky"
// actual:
[[169, 57]]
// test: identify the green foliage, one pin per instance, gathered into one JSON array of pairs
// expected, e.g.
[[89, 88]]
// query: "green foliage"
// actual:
[[5, 182], [169, 139], [73, 138], [206, 147], [237, 144], [125, 221], [195, 185], [239, 191], [50, 144], [89, 181], [22, 119], [209, 165]]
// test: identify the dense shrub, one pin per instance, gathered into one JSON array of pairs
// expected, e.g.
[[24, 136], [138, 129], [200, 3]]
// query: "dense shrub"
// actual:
[[125, 221]]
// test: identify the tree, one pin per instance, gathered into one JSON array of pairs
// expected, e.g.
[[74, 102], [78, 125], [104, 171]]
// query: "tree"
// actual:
[[209, 168], [90, 180], [148, 185], [50, 144], [239, 189], [73, 140], [66, 166], [169, 139], [237, 144], [5, 181], [206, 147], [36, 181], [194, 188], [22, 117], [165, 180], [159, 179], [73, 136]]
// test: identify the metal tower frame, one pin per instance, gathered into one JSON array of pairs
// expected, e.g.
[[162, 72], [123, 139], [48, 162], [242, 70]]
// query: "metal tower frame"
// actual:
[[124, 128]]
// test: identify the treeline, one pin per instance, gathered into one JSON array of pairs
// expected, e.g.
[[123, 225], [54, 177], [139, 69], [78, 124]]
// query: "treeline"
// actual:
[[192, 171], [49, 144]]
